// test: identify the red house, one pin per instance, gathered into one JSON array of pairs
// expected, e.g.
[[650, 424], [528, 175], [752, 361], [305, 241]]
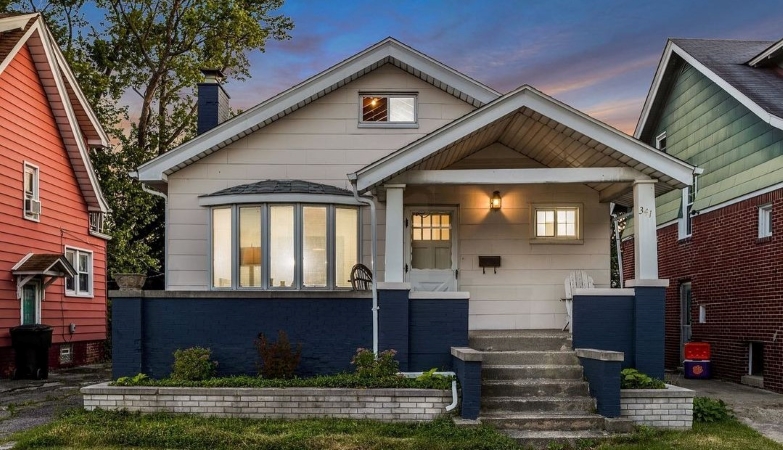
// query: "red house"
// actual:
[[52, 249]]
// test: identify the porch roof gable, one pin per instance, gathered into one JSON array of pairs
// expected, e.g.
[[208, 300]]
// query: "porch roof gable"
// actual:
[[551, 132]]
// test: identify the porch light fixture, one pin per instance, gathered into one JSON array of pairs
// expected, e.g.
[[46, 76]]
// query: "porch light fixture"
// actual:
[[495, 201]]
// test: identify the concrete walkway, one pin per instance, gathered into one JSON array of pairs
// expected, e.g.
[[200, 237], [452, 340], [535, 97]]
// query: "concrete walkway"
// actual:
[[28, 403], [761, 410]]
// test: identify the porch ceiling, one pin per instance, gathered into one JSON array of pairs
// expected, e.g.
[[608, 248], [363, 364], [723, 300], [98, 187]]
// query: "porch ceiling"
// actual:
[[550, 144]]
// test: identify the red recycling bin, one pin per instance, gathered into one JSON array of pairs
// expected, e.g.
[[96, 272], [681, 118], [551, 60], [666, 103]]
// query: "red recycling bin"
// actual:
[[697, 351]]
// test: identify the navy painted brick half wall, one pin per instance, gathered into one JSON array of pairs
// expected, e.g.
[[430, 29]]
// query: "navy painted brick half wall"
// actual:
[[605, 323], [435, 326], [604, 380]]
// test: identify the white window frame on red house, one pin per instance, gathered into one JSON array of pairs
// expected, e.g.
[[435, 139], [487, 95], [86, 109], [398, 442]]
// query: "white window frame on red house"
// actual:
[[660, 142], [76, 290], [685, 222], [765, 220], [30, 194]]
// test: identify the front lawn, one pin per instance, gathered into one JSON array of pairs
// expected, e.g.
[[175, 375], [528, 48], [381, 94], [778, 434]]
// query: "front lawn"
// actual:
[[115, 430]]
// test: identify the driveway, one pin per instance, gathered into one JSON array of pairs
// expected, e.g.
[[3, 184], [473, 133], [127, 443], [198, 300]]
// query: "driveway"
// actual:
[[28, 403], [759, 409]]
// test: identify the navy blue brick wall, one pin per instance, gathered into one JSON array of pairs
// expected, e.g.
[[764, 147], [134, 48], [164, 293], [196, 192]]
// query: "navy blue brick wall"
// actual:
[[436, 326], [393, 324], [213, 106], [649, 333], [126, 336], [605, 323], [604, 380], [469, 376], [330, 331]]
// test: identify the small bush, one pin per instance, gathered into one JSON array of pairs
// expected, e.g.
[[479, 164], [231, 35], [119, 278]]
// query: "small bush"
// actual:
[[708, 410], [193, 364], [277, 359], [633, 379], [367, 365]]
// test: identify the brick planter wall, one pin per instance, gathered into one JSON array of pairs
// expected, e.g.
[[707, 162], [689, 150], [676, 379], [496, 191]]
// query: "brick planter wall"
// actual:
[[670, 408], [407, 405], [736, 276]]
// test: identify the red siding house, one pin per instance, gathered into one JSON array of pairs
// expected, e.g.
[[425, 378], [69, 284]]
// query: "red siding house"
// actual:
[[718, 104], [52, 250]]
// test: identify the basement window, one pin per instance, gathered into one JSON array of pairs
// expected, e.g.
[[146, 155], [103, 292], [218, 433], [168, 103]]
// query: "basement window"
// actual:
[[756, 359], [66, 353], [388, 110]]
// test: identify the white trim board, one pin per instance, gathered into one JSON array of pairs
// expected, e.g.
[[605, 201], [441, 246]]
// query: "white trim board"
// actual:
[[459, 85], [521, 176]]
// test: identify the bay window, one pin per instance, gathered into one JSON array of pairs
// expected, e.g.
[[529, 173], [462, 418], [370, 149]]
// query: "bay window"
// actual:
[[284, 246]]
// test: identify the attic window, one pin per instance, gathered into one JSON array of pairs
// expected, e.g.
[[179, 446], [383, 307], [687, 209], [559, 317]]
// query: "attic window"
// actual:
[[388, 109]]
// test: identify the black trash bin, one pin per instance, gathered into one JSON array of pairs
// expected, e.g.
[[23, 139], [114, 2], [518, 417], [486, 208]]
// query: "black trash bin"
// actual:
[[31, 345]]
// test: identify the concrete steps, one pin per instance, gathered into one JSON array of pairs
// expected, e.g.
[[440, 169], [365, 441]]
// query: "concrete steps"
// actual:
[[533, 388]]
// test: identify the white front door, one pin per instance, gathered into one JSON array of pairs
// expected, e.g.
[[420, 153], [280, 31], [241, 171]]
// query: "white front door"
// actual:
[[431, 248]]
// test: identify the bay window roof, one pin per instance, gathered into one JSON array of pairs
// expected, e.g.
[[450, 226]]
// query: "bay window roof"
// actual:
[[279, 191]]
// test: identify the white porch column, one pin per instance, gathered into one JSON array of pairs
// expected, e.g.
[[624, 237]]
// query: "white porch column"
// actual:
[[645, 240], [394, 233]]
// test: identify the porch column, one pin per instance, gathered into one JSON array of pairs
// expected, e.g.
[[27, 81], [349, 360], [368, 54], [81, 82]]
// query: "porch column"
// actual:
[[394, 233], [645, 240]]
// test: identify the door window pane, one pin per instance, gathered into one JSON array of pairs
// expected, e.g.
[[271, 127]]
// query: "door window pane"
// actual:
[[221, 247], [345, 245], [250, 247], [282, 262], [431, 241], [314, 246], [29, 305]]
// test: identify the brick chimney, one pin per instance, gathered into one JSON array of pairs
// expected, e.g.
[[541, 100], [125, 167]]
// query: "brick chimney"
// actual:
[[212, 101]]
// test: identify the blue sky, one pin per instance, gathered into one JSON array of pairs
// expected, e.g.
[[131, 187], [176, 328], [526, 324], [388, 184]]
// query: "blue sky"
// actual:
[[598, 55]]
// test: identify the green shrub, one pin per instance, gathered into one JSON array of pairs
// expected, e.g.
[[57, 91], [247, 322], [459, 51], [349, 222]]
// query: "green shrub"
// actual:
[[709, 410], [367, 365], [277, 359], [633, 379], [430, 375], [137, 380], [193, 364]]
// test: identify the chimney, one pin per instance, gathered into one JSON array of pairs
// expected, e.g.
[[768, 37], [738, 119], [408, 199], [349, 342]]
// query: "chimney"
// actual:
[[212, 101]]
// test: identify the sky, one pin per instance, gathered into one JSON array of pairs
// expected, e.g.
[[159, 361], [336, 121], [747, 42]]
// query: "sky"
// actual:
[[598, 56]]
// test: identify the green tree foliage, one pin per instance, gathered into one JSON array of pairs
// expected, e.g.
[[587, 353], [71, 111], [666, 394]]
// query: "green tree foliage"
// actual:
[[148, 54]]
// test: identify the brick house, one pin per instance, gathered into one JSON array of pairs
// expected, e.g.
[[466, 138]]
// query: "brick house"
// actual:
[[52, 249], [718, 104]]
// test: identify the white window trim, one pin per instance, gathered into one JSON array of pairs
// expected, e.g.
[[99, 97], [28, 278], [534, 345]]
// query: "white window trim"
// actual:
[[686, 210], [765, 219], [331, 284], [534, 239], [658, 140], [38, 299], [389, 124], [36, 191], [75, 292]]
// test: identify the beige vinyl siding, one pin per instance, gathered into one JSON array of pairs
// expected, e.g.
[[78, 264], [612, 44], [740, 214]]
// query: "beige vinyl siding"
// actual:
[[321, 143], [526, 291], [707, 127]]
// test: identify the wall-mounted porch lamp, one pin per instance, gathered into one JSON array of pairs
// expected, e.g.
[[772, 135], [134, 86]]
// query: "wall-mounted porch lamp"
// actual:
[[495, 201]]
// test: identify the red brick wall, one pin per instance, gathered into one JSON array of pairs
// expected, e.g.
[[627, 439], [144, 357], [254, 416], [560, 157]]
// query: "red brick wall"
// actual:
[[83, 353], [736, 276]]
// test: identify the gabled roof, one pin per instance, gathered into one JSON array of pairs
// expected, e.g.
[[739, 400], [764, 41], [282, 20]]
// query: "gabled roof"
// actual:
[[527, 120], [725, 62], [388, 51], [78, 124], [773, 54], [48, 264]]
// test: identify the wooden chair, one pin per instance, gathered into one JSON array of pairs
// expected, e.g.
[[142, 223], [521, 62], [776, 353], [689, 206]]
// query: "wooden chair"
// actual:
[[361, 278], [575, 280]]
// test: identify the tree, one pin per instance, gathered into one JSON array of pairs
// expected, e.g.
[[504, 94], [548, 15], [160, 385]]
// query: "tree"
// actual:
[[153, 49]]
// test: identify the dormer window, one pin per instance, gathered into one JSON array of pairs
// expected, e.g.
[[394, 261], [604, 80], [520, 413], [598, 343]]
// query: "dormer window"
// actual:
[[388, 110], [32, 204]]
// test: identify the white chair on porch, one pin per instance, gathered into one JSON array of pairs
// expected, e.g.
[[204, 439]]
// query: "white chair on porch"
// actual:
[[575, 280]]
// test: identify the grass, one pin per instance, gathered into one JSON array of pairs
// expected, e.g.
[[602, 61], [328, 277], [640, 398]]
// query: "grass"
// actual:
[[115, 430]]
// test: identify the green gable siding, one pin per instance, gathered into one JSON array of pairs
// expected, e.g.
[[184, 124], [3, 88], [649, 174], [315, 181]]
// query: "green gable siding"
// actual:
[[708, 128]]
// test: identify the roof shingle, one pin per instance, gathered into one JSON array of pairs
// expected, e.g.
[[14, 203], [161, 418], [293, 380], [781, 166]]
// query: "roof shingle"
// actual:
[[281, 187]]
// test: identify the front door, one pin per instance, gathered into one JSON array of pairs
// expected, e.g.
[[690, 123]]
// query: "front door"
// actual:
[[31, 303], [685, 317], [431, 250]]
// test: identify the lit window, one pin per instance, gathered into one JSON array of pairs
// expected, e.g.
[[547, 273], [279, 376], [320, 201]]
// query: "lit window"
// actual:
[[660, 142], [556, 222], [32, 204], [389, 109], [309, 246], [765, 221], [81, 284]]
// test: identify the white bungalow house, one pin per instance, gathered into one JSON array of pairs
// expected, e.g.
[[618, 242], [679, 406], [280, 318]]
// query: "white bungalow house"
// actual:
[[268, 211]]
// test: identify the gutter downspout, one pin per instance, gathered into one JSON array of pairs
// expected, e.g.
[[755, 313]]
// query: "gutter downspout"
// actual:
[[145, 188], [373, 254], [454, 396]]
